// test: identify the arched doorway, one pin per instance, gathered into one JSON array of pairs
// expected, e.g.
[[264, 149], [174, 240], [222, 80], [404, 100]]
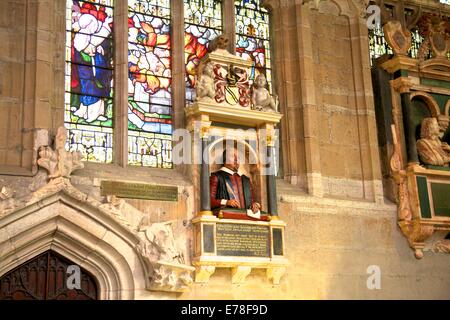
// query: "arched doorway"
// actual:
[[44, 277]]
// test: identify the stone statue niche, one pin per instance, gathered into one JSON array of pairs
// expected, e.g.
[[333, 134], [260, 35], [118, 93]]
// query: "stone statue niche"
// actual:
[[431, 150], [248, 166]]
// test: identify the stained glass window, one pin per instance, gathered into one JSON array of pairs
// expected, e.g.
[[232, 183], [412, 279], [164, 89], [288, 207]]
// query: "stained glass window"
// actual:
[[252, 37], [377, 44], [149, 84], [202, 23], [445, 1], [89, 78]]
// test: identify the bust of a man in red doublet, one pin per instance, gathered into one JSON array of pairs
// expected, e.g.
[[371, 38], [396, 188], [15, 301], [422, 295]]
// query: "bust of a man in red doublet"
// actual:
[[231, 191]]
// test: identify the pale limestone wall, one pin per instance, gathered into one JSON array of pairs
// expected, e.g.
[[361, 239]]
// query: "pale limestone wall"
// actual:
[[32, 59], [343, 116], [12, 68], [330, 244]]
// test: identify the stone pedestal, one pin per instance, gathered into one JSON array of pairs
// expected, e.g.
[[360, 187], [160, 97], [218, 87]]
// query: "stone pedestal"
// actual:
[[238, 245]]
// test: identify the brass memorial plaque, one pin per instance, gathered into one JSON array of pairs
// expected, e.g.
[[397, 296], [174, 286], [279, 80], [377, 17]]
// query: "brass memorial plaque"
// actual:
[[242, 240], [139, 191]]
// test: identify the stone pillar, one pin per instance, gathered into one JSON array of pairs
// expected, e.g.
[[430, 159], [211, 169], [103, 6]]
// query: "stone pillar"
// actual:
[[120, 153], [271, 185], [410, 135], [205, 200]]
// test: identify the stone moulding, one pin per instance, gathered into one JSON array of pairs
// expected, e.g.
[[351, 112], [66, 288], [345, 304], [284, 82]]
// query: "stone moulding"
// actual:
[[237, 115]]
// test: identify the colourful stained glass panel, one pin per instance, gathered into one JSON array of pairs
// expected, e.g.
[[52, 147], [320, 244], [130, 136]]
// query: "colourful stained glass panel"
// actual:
[[89, 78], [202, 23], [253, 37], [149, 84], [377, 44]]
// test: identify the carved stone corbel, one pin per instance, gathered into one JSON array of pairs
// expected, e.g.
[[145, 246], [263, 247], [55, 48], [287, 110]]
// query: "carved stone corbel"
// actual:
[[163, 261], [417, 234], [59, 162], [402, 84], [239, 273], [275, 274], [171, 277], [203, 273]]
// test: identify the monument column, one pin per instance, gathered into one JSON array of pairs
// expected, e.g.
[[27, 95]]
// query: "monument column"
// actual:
[[271, 171], [205, 194], [205, 199]]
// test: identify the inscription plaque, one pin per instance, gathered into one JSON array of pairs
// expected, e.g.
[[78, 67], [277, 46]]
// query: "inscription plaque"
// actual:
[[139, 191], [242, 240]]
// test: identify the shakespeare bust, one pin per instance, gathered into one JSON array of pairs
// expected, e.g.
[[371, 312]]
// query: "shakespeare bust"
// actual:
[[430, 148], [232, 191]]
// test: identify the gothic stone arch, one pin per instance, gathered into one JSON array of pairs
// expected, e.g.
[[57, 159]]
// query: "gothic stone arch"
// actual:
[[79, 231]]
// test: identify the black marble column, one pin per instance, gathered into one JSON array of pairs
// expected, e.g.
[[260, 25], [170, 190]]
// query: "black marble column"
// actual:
[[408, 124], [205, 199], [271, 185]]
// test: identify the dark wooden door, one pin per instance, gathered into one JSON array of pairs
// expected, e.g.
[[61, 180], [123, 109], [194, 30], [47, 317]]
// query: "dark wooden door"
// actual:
[[45, 278]]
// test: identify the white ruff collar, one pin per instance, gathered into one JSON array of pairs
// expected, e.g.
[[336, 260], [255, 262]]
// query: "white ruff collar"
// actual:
[[229, 171]]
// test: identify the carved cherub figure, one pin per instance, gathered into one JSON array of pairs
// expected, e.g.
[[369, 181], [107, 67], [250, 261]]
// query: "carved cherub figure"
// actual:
[[261, 98], [430, 148], [205, 84]]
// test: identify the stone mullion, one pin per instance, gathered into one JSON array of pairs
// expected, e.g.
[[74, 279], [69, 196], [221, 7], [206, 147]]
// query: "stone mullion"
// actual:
[[178, 69], [120, 146], [229, 24]]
